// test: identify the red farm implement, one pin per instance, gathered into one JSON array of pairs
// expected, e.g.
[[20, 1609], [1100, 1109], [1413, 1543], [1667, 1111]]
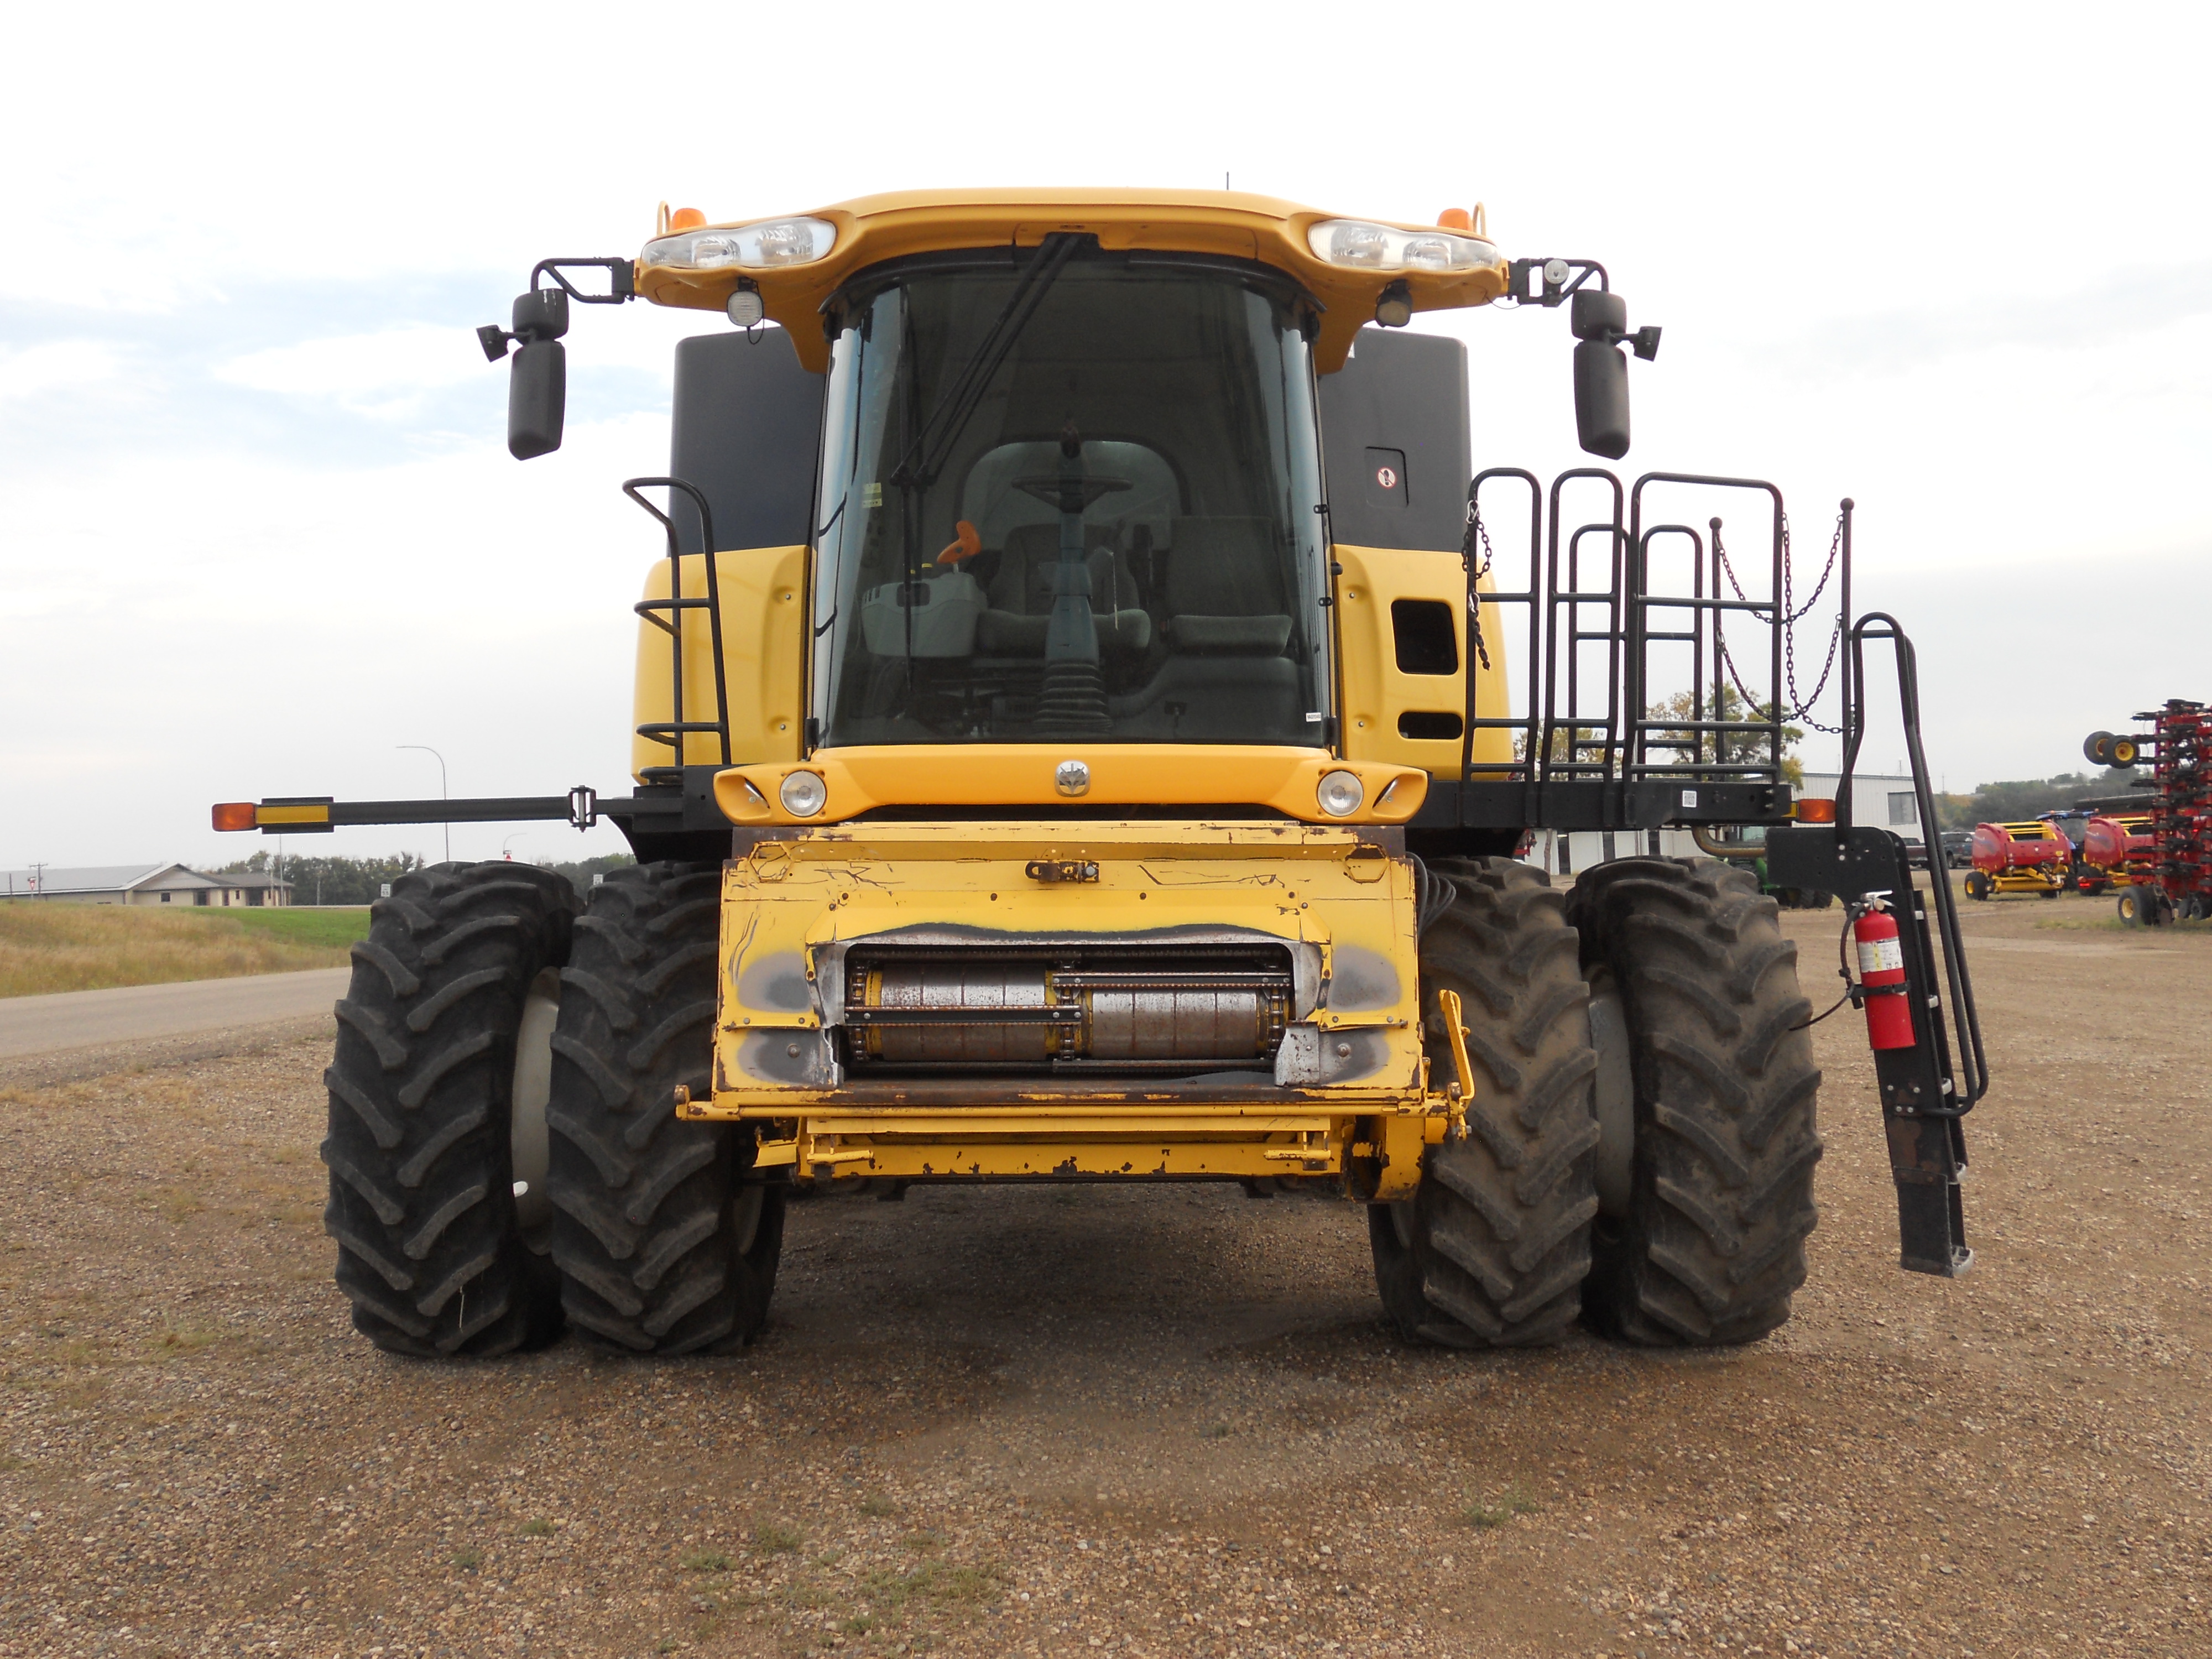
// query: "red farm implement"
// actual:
[[2116, 850], [2165, 837], [2019, 858]]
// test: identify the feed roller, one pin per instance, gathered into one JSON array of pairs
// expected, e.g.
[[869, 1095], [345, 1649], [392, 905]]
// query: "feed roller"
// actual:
[[970, 1007]]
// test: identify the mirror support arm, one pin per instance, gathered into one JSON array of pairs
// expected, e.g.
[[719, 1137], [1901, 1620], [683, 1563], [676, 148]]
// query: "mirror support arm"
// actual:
[[1559, 278], [621, 278], [537, 382], [621, 284], [1600, 320]]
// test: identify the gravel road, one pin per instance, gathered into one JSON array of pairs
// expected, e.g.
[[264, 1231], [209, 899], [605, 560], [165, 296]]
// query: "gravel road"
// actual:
[[134, 1013], [1153, 1420]]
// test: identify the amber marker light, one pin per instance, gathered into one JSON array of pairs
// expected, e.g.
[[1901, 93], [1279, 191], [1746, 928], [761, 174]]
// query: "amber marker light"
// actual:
[[235, 815], [1815, 809]]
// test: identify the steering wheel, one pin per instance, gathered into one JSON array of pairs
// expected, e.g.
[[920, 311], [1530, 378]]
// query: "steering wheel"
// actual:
[[1050, 489]]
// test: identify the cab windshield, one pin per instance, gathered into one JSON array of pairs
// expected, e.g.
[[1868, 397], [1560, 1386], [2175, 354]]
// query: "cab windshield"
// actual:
[[1068, 494]]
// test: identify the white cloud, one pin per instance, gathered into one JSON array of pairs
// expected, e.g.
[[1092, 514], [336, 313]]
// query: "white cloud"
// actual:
[[27, 598], [56, 366], [384, 374], [1890, 273]]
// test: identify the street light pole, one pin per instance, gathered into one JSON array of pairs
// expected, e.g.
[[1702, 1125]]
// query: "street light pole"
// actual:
[[443, 794]]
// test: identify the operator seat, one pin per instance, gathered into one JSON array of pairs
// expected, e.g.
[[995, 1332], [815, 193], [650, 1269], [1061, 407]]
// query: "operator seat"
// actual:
[[1225, 678], [1021, 598], [1225, 589]]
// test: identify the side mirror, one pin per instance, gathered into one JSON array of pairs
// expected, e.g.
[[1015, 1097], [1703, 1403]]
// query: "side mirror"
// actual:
[[1600, 321], [1600, 398], [537, 377], [538, 399]]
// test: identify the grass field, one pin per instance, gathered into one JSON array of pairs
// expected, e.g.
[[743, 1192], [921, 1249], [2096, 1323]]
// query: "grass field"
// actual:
[[57, 946]]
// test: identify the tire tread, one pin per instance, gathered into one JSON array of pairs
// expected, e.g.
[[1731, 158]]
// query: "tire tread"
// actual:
[[421, 1203], [1500, 1226], [1713, 1246], [643, 1231]]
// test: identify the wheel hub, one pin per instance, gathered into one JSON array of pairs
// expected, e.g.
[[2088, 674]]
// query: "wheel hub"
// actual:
[[1614, 1097]]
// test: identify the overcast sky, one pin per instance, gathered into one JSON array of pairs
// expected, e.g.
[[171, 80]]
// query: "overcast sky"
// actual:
[[257, 525]]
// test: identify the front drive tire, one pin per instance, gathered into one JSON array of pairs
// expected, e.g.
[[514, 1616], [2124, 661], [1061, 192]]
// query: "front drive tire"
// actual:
[[664, 1247], [1491, 1250], [431, 1252], [1711, 1243]]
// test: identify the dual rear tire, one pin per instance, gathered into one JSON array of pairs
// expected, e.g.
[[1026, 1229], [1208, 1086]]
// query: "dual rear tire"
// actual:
[[663, 1244], [1493, 1249], [1642, 1159], [641, 1231], [433, 1251]]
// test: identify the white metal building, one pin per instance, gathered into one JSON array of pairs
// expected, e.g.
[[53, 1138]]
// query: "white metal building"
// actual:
[[142, 884]]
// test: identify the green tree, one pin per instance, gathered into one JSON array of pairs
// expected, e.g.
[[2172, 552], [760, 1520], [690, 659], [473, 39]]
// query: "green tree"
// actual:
[[1724, 748], [2019, 801], [582, 870], [330, 880]]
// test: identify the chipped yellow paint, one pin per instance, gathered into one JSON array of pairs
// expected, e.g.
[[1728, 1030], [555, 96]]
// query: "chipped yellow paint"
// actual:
[[792, 904]]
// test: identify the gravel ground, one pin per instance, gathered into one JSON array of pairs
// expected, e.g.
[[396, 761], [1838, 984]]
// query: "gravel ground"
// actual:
[[1030, 1420]]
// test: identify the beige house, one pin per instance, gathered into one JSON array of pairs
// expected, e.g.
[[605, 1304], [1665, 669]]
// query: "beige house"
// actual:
[[142, 884]]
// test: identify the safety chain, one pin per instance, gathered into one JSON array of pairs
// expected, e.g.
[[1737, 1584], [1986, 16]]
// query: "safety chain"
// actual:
[[1791, 614], [1476, 531]]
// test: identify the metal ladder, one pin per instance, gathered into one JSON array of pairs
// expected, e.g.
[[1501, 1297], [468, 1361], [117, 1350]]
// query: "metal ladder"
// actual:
[[667, 615]]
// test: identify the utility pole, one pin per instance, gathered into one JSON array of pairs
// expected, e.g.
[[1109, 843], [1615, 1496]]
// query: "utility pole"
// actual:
[[443, 794], [38, 881]]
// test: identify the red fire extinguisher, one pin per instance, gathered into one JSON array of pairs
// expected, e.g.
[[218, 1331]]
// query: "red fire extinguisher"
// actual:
[[1881, 964]]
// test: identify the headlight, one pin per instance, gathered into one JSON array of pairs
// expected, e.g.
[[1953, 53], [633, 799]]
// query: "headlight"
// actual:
[[772, 242], [804, 794], [1340, 793], [1378, 248]]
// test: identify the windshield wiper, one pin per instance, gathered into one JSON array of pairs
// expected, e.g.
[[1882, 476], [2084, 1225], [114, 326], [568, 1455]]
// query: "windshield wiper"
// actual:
[[925, 459]]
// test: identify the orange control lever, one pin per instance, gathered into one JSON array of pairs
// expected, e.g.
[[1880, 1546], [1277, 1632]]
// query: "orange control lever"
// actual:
[[966, 544]]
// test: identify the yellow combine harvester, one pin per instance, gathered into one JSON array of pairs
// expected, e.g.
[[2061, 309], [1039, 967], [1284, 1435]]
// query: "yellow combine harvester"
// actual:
[[1074, 743]]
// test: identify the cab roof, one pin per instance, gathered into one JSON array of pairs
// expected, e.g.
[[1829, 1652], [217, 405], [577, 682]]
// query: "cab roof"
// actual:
[[873, 228]]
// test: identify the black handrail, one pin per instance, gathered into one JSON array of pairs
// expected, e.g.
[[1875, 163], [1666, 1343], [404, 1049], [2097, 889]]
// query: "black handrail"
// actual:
[[1634, 687], [1532, 596], [1974, 1065], [673, 731], [1572, 596]]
